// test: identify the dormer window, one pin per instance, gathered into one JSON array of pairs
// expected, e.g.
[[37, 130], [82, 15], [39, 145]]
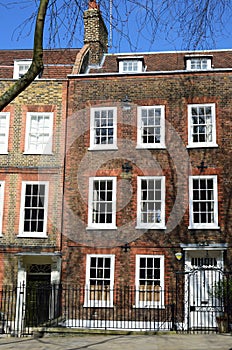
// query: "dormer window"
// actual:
[[131, 65], [20, 68], [198, 63]]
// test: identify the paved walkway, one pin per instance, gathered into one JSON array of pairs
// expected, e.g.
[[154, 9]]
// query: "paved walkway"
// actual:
[[121, 342]]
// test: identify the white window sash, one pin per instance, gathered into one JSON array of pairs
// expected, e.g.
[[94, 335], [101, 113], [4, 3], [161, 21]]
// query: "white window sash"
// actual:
[[89, 302], [213, 225], [199, 61], [211, 128], [153, 297], [17, 65], [2, 184], [109, 146], [111, 225], [22, 210], [140, 127], [130, 66], [43, 145], [4, 132], [155, 225]]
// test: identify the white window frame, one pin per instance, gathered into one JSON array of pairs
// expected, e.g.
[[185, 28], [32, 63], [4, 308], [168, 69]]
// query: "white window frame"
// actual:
[[192, 224], [47, 147], [157, 293], [18, 64], [103, 146], [92, 225], [2, 185], [4, 133], [89, 302], [150, 225], [130, 65], [212, 143], [23, 233], [161, 126], [205, 63]]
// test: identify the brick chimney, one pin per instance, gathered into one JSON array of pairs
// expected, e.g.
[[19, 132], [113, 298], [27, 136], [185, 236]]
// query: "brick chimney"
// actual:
[[96, 34]]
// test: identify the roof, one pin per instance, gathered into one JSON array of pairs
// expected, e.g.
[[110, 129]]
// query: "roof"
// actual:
[[62, 58], [59, 63], [165, 61]]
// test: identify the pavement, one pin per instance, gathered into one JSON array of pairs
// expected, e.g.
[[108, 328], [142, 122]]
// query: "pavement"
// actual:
[[121, 342]]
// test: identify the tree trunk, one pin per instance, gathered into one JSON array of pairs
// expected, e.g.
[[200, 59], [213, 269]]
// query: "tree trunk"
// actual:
[[37, 61]]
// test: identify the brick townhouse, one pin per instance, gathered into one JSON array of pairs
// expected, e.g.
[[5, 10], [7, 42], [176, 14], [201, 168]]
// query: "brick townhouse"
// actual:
[[148, 176], [32, 142], [115, 175]]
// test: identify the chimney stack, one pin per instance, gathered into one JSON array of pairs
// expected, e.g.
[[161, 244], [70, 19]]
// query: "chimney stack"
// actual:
[[96, 34]]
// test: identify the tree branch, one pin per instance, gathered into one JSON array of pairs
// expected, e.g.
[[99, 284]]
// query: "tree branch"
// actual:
[[37, 61]]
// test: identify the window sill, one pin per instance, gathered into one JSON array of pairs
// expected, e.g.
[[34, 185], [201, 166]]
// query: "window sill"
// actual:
[[202, 145], [151, 306], [204, 227], [130, 72], [96, 305], [103, 148], [148, 146], [150, 227], [39, 153], [3, 153], [101, 228], [32, 235]]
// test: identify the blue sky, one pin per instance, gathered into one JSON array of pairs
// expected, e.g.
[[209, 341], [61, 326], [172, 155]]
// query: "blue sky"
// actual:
[[14, 16]]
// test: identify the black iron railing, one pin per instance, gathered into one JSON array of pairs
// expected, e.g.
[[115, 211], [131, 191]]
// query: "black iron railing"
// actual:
[[147, 308]]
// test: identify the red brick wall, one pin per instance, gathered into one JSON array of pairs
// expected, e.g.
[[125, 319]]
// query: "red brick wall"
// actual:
[[175, 91]]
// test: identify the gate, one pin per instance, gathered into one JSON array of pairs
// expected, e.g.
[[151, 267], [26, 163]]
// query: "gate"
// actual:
[[207, 299]]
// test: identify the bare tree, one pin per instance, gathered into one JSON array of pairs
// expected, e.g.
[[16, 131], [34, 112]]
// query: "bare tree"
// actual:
[[198, 22], [37, 60]]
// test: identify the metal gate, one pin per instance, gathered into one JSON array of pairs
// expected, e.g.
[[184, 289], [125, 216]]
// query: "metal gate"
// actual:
[[208, 295]]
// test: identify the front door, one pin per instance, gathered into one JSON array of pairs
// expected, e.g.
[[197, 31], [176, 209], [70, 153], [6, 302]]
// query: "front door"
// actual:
[[38, 294], [203, 305]]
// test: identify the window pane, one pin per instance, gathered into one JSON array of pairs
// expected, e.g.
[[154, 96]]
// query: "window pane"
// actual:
[[34, 208], [203, 206], [39, 132], [151, 125], [201, 124], [149, 279], [3, 133], [102, 202], [100, 277], [104, 127], [151, 200]]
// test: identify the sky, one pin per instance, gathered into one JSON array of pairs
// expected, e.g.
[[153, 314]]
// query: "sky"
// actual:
[[14, 37]]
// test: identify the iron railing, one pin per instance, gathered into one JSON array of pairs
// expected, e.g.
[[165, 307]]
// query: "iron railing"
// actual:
[[149, 308]]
